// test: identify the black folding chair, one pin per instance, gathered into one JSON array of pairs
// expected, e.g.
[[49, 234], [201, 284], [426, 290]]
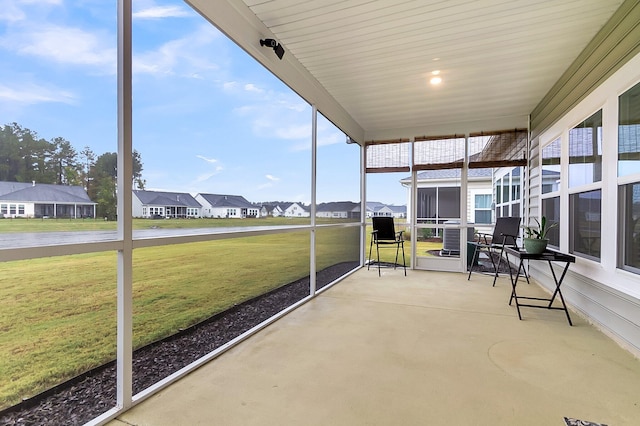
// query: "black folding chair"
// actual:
[[384, 234], [505, 234]]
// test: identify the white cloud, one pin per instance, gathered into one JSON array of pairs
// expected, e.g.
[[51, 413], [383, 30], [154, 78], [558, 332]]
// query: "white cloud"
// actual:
[[294, 132], [331, 138], [159, 12], [183, 56], [30, 94], [272, 178], [229, 85], [302, 146], [208, 160], [65, 45], [250, 87], [10, 13], [10, 10], [325, 137], [275, 114], [214, 170], [206, 176], [41, 2]]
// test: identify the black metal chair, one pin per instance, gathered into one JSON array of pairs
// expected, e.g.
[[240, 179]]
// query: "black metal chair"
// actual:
[[505, 234], [384, 234]]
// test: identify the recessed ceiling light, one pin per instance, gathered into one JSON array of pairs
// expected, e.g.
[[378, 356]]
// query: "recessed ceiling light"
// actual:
[[435, 80]]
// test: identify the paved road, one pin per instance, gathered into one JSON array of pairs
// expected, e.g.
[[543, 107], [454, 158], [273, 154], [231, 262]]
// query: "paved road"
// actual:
[[42, 239]]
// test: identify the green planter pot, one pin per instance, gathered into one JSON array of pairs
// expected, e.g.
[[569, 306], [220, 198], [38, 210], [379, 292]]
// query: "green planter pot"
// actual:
[[535, 245]]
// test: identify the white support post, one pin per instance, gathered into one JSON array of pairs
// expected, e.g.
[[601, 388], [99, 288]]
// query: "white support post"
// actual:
[[412, 209], [464, 205], [314, 157], [363, 203], [124, 186]]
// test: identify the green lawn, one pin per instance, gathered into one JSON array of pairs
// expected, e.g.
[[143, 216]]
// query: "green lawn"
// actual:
[[59, 314]]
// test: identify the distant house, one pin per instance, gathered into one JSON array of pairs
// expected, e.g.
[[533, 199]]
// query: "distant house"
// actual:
[[272, 209], [266, 210], [339, 210], [375, 208], [227, 206], [153, 204], [278, 210], [20, 199], [438, 195], [372, 207], [398, 212], [284, 209], [296, 210]]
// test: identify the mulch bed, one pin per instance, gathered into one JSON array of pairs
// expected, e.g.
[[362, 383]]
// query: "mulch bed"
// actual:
[[85, 397]]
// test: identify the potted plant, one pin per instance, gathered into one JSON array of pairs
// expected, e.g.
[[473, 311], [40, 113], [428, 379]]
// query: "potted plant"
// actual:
[[536, 240]]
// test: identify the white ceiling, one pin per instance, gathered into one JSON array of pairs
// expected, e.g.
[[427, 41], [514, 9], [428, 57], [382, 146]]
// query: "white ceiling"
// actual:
[[497, 58]]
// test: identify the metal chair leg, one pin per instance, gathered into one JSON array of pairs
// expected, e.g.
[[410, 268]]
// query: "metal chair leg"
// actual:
[[475, 252]]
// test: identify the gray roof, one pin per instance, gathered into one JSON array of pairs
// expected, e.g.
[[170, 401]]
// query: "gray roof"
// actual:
[[302, 206], [174, 199], [451, 174], [43, 193], [374, 205], [398, 209], [221, 200], [339, 206]]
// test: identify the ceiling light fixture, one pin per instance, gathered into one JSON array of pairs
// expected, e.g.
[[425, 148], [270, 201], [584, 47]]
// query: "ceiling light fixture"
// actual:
[[277, 47], [435, 80]]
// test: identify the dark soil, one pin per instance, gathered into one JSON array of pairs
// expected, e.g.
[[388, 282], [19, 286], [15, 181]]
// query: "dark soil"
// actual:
[[85, 397]]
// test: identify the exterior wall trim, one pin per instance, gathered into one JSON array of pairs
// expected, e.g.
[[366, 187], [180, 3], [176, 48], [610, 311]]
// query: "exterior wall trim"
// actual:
[[614, 45]]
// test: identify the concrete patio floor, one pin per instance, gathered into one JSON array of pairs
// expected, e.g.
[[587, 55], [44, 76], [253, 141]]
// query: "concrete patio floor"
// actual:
[[427, 349]]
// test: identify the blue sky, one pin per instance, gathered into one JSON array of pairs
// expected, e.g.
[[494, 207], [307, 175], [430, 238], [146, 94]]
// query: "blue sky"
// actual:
[[207, 117]]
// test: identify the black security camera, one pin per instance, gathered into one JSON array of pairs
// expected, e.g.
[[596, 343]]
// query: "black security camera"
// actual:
[[269, 42], [277, 47]]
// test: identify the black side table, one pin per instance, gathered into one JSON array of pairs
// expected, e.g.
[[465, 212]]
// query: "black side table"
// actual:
[[549, 256]]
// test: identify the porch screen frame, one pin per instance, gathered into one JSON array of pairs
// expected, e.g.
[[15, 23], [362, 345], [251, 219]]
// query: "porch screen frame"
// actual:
[[505, 148], [387, 156]]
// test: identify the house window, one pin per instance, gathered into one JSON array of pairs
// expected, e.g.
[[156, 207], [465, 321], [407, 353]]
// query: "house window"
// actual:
[[629, 210], [585, 226], [505, 189], [144, 211], [20, 208], [508, 193], [482, 208], [551, 210], [3, 209], [441, 203], [629, 132], [12, 209], [629, 193], [585, 151], [551, 167]]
